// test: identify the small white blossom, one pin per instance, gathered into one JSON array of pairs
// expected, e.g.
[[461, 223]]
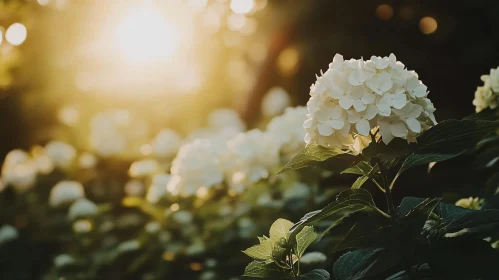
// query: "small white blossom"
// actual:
[[288, 131], [8, 233], [153, 227], [82, 226], [134, 188], [195, 248], [354, 97], [43, 162], [128, 246], [198, 164], [313, 257], [19, 170], [61, 153], [66, 192], [143, 168], [183, 217], [487, 96], [158, 187], [274, 102], [63, 260], [167, 143], [87, 160], [82, 208], [208, 275], [222, 119], [251, 157]]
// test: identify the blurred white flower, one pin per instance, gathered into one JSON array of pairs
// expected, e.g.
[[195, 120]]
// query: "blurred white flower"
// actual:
[[274, 102], [134, 188], [82, 208], [195, 248], [222, 119], [313, 257], [158, 187], [82, 226], [87, 160], [210, 263], [63, 260], [288, 131], [208, 275], [487, 96], [296, 190], [65, 192], [354, 97], [152, 227], [7, 233], [19, 170], [143, 168], [198, 164], [166, 143], [251, 157], [128, 246], [110, 132], [183, 217], [43, 162], [61, 153]]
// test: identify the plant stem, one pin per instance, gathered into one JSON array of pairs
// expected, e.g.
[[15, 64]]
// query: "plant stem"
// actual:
[[386, 187]]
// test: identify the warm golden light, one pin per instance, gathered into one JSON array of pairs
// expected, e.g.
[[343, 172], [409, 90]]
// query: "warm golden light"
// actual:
[[145, 36], [287, 62], [43, 2], [384, 12], [1, 35], [16, 34], [174, 207], [69, 116], [428, 25], [242, 6]]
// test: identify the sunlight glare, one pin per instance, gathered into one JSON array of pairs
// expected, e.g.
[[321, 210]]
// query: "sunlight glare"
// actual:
[[146, 36]]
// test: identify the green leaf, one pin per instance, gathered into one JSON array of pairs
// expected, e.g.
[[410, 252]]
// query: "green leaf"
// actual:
[[454, 136], [304, 238], [280, 229], [316, 274], [314, 155], [359, 182], [361, 168], [447, 140], [347, 200], [347, 267], [257, 270], [263, 251]]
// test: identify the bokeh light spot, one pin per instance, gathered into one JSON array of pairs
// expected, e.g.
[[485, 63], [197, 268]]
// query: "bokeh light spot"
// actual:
[[428, 25], [242, 6], [16, 34], [384, 12], [287, 62]]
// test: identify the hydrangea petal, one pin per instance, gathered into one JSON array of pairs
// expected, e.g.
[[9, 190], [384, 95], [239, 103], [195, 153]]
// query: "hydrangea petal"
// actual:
[[346, 102], [399, 130], [385, 131], [337, 123], [324, 129], [363, 127], [414, 125], [359, 106], [353, 116]]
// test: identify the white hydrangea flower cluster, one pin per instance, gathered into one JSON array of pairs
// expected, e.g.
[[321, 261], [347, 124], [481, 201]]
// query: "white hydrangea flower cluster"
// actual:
[[251, 156], [197, 164], [275, 101], [66, 192], [19, 170], [111, 133], [288, 131], [353, 97], [487, 96], [166, 143], [82, 208], [62, 154]]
